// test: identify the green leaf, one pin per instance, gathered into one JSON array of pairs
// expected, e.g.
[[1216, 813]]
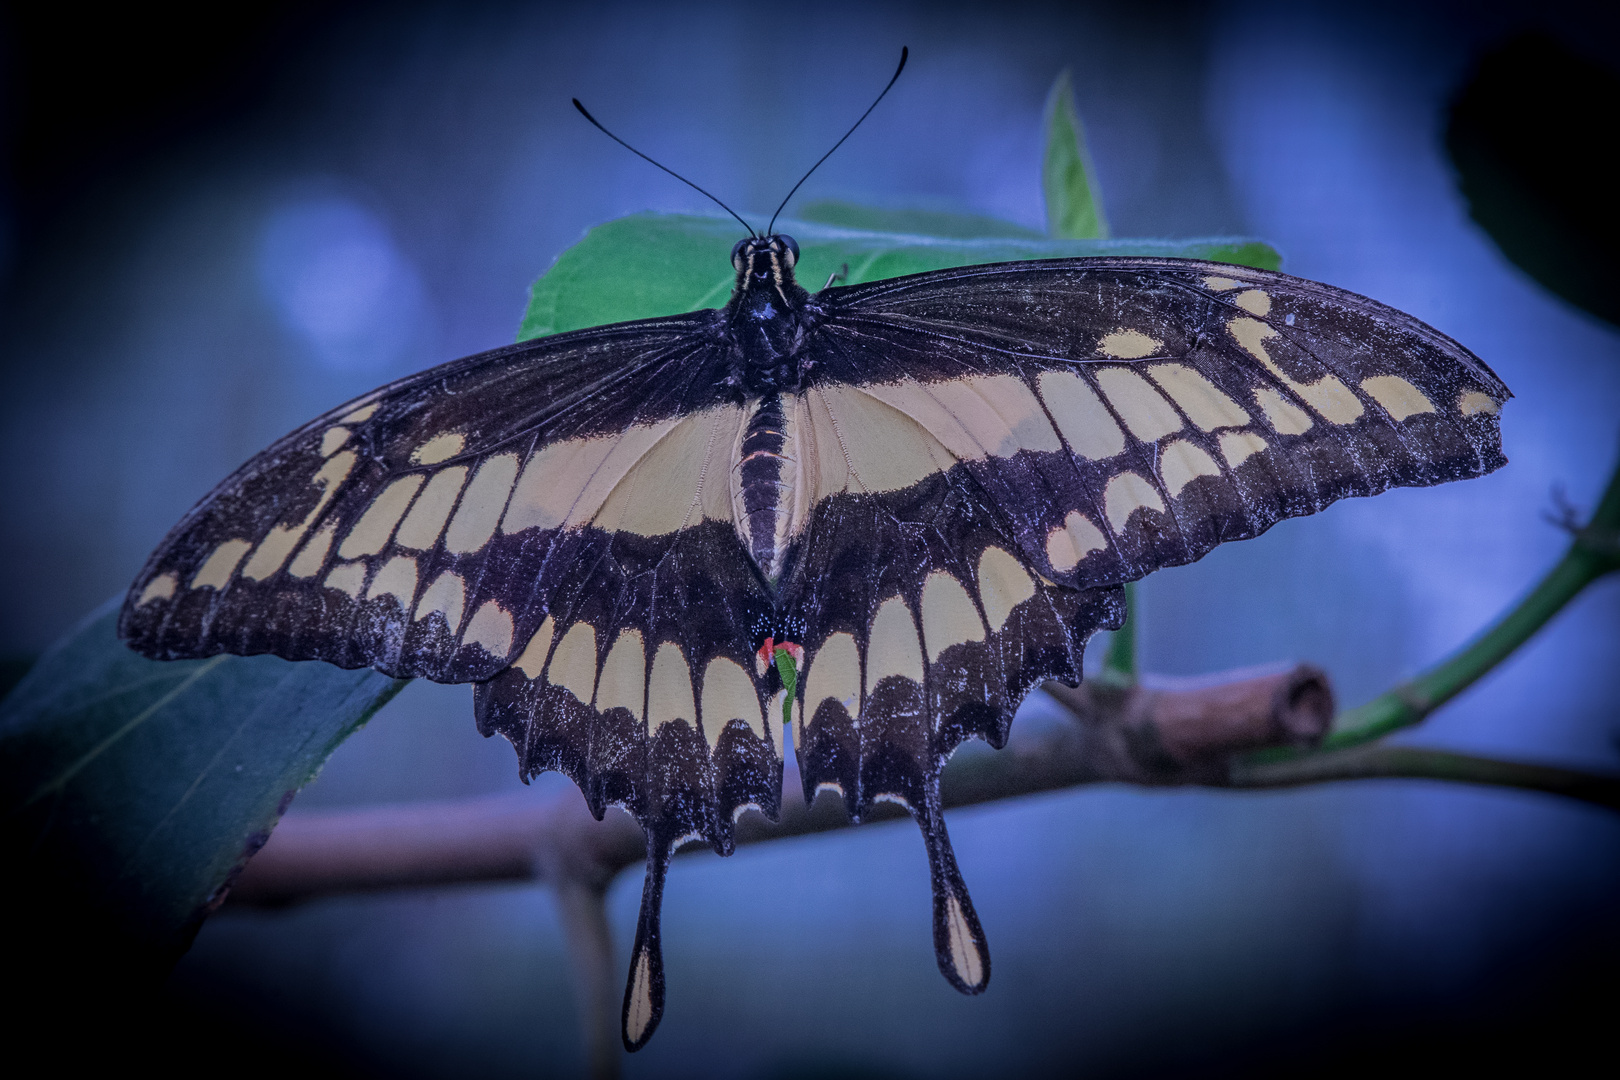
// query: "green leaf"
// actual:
[[790, 684], [916, 222], [647, 265], [1068, 178], [141, 786]]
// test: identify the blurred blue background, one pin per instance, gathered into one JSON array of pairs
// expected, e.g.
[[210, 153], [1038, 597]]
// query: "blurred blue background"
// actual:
[[375, 194]]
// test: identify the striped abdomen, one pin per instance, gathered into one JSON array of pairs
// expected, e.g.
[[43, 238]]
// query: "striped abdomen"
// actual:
[[763, 480]]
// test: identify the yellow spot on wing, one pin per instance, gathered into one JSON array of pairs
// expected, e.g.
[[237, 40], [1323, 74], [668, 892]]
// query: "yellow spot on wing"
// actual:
[[1182, 462], [965, 956], [448, 596], [360, 415], [1069, 543], [1125, 495], [669, 689], [948, 615], [639, 1009], [835, 672], [313, 557], [1398, 397], [573, 665], [348, 578], [1283, 415], [623, 681], [1221, 284], [1327, 395], [1473, 401], [874, 446], [333, 440], [1149, 416], [1202, 401], [996, 415], [555, 482], [280, 541], [651, 479], [1128, 345], [370, 534], [439, 448], [1238, 446], [664, 489], [1081, 416], [272, 551], [490, 629], [481, 505], [216, 572], [159, 588], [533, 660], [1003, 585], [313, 554], [1254, 302], [421, 528], [893, 647], [397, 578], [728, 694]]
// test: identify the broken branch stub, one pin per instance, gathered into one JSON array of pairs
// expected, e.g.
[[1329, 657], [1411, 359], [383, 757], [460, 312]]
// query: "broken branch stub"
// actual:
[[1145, 734]]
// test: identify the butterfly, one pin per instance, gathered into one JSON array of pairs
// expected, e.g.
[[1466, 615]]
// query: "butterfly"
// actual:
[[876, 515]]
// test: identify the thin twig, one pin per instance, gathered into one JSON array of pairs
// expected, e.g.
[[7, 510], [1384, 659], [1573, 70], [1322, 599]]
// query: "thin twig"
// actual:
[[1593, 553]]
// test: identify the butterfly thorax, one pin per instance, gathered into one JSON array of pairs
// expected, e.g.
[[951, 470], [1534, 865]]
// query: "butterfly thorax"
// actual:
[[769, 317]]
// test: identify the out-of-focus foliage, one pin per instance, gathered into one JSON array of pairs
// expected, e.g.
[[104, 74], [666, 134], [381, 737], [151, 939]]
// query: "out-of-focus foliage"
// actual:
[[1074, 207], [137, 787], [1530, 135]]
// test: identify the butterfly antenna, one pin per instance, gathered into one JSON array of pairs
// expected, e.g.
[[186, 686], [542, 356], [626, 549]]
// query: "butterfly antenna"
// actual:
[[904, 52], [671, 172]]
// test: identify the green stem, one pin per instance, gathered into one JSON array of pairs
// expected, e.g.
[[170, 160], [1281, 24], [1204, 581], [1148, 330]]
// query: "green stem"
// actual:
[[790, 683], [1119, 662], [1593, 553]]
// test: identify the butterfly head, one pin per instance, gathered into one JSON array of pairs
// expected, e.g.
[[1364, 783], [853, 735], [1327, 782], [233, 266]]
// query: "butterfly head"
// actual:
[[765, 261]]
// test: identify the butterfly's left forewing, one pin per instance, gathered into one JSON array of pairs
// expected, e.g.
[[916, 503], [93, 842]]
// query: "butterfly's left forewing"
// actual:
[[1129, 414]]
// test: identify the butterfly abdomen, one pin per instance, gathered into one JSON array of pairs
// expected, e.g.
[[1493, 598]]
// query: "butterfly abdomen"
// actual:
[[763, 480]]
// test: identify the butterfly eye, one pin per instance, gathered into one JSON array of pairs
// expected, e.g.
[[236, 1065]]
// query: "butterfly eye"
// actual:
[[792, 251], [737, 253]]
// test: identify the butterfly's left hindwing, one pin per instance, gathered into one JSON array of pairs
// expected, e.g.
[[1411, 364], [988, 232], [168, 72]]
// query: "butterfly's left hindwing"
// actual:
[[922, 629]]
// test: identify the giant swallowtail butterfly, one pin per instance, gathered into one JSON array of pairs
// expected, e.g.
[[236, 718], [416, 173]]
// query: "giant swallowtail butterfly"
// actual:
[[927, 491]]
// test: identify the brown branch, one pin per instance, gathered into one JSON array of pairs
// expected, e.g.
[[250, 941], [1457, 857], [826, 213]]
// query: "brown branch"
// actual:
[[1140, 734], [1133, 734], [1417, 763]]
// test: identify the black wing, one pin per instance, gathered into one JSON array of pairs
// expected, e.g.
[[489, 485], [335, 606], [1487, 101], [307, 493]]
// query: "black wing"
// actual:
[[553, 517], [1130, 414], [982, 456], [997, 447]]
